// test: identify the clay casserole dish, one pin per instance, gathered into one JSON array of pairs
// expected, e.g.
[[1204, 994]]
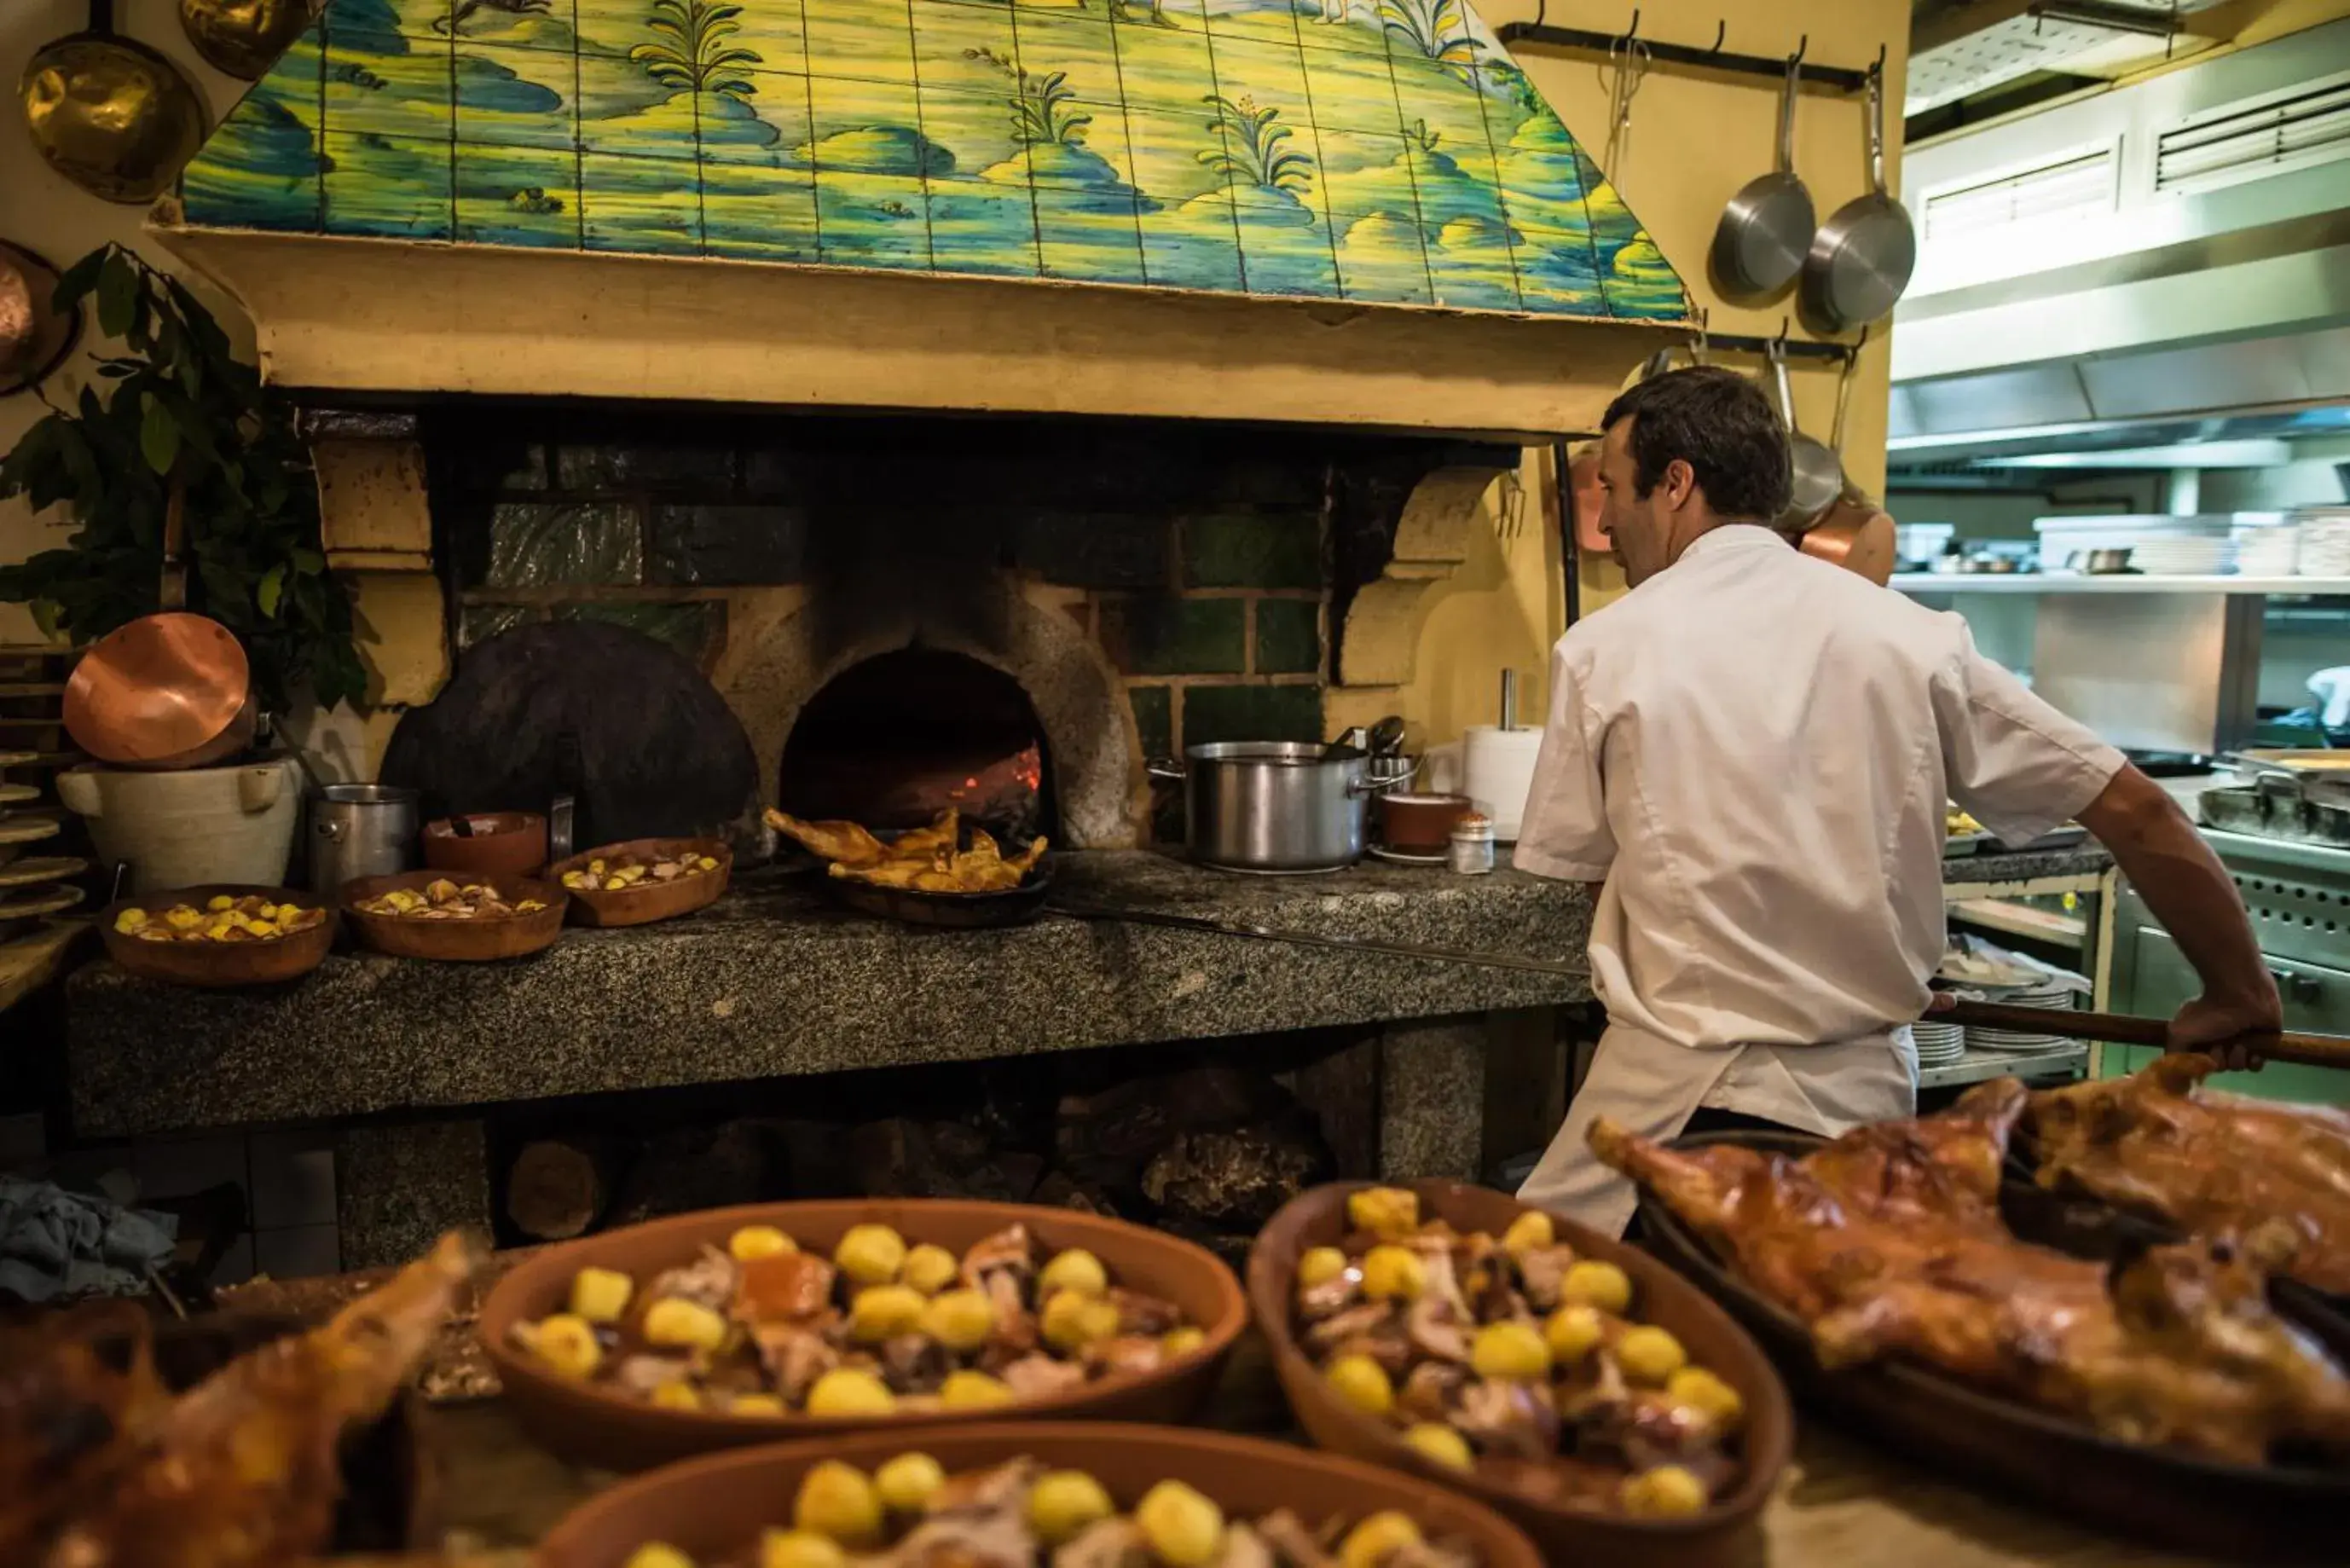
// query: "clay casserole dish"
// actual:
[[1722, 1534], [714, 1508], [647, 901], [600, 1426], [512, 842], [455, 940], [215, 965]]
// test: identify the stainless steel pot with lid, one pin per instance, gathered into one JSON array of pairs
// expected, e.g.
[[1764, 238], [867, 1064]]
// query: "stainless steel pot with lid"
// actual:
[[1278, 806]]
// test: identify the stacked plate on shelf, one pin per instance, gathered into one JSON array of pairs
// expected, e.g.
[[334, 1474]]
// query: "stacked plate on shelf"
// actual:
[[2051, 995], [2325, 543], [2184, 556], [2270, 550], [1938, 1044]]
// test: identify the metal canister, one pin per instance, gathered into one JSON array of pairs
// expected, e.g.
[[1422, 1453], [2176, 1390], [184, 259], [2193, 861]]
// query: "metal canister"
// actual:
[[361, 830], [1473, 845]]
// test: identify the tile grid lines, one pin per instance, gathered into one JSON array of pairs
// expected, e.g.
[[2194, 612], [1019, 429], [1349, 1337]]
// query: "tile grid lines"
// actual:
[[1223, 140], [1590, 229], [922, 163], [1126, 124], [1419, 214], [578, 139], [1493, 148], [453, 127], [815, 191], [1322, 190], [1027, 150]]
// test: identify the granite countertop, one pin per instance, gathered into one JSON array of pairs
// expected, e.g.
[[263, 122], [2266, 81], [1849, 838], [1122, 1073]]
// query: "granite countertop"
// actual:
[[776, 979], [2087, 858]]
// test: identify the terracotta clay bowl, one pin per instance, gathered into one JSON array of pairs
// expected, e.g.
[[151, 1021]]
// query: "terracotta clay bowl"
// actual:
[[455, 942], [510, 842], [647, 901], [218, 965], [584, 1421], [714, 1508], [1725, 1533]]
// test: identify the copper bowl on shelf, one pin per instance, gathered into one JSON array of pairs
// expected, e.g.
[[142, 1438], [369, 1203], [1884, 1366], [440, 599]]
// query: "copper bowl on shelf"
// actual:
[[600, 1425], [647, 901], [216, 966], [509, 842], [713, 1509], [458, 940], [1723, 1534]]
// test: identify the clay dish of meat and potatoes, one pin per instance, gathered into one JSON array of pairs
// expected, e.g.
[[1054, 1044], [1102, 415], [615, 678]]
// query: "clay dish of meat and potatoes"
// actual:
[[743, 1325], [2159, 1390], [644, 879], [433, 915], [1017, 1494], [1567, 1379], [933, 859], [218, 935]]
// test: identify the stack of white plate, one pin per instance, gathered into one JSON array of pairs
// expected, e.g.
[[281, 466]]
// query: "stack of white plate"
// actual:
[[2273, 550], [2051, 996], [1938, 1044], [2184, 556], [2326, 544]]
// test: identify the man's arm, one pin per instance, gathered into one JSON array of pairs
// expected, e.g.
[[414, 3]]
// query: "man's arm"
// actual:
[[2191, 892]]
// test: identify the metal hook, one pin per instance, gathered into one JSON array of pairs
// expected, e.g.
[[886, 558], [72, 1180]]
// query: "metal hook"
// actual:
[[1633, 30], [1720, 32], [1782, 340], [1541, 11], [1803, 48], [1878, 70]]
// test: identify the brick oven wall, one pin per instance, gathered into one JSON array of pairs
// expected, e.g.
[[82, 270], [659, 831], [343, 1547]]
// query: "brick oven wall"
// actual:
[[1197, 560]]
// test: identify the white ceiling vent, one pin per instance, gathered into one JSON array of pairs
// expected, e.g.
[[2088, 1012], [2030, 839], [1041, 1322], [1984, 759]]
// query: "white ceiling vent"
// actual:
[[2081, 186], [2257, 139]]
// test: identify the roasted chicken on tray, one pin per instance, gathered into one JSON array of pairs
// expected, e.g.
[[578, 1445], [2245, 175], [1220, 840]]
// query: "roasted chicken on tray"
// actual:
[[2210, 1163], [926, 859], [101, 1467], [1889, 1241]]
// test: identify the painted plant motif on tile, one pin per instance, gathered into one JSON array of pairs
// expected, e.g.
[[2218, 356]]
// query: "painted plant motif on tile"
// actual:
[[1382, 150]]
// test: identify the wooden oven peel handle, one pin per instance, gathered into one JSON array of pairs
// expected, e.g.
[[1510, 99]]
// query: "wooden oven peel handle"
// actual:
[[2308, 1050]]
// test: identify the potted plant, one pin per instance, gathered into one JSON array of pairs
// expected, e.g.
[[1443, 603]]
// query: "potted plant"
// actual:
[[177, 413]]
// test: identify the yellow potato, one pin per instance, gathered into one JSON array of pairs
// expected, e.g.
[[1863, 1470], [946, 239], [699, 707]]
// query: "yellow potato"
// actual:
[[907, 1482], [1319, 1266], [1649, 1355], [1064, 1502], [1440, 1442], [1075, 1269], [959, 1320], [838, 1500], [1572, 1333], [1669, 1491], [1509, 1351], [568, 1344], [678, 1323], [1389, 1211], [870, 1254], [1182, 1525], [1703, 1391], [800, 1549], [677, 1394], [600, 1296], [1370, 1544], [1072, 1320], [848, 1391], [931, 1269], [1530, 1230], [883, 1312], [757, 1405], [1179, 1342], [1362, 1383], [1594, 1284], [966, 1390], [1393, 1274], [657, 1554]]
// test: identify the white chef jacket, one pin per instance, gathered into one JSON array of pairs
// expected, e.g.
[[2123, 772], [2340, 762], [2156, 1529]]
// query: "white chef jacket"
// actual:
[[1752, 751]]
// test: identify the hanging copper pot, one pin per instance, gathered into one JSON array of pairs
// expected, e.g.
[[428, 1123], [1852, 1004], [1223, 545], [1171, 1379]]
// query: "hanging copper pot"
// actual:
[[34, 334], [110, 114], [243, 37], [166, 690]]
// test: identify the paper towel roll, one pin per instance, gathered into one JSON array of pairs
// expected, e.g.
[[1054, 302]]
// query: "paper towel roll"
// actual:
[[1497, 770]]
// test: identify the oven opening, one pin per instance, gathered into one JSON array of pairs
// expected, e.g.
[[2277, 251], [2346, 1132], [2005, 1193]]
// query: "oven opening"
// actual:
[[894, 741]]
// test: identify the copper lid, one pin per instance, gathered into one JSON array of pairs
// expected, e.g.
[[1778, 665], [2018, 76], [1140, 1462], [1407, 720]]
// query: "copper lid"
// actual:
[[160, 686]]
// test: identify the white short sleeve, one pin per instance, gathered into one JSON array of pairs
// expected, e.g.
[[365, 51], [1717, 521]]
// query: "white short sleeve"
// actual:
[[2016, 763], [1565, 833]]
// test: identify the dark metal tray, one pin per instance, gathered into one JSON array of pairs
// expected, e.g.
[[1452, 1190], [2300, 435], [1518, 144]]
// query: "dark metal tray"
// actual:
[[949, 911], [2244, 1512]]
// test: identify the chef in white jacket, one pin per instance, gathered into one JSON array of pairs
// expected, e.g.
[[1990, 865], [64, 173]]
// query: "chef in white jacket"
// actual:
[[1747, 757]]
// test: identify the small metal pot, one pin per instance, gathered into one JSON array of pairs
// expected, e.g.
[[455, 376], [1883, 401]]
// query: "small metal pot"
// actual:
[[361, 830], [1278, 806]]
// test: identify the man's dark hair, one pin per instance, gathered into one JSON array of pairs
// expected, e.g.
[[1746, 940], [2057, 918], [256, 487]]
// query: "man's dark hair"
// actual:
[[1719, 423]]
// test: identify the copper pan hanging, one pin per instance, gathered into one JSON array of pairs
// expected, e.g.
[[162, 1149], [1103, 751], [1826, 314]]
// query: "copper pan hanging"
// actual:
[[167, 690], [34, 334], [108, 113]]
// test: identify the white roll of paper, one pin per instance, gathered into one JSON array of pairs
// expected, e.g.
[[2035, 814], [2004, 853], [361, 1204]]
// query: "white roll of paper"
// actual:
[[1497, 772]]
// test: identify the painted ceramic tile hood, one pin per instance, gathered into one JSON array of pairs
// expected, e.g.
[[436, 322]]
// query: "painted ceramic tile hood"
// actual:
[[1335, 211]]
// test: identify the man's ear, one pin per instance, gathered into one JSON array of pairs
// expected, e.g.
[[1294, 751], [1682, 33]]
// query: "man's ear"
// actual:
[[1678, 482]]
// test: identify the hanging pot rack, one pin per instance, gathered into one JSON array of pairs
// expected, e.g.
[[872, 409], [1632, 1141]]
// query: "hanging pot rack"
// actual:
[[1713, 58]]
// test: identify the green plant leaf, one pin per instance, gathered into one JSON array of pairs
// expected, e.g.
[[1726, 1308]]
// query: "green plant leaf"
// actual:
[[117, 295], [45, 616], [75, 282], [159, 436], [272, 584]]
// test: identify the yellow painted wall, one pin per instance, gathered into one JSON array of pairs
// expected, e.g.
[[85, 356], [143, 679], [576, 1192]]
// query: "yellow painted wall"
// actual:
[[1696, 138]]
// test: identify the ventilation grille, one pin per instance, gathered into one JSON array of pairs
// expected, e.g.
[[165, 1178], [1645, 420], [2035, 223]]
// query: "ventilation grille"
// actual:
[[2077, 187], [2309, 128]]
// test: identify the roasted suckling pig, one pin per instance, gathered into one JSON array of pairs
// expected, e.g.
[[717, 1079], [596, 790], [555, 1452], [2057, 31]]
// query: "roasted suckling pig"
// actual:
[[926, 859], [1889, 1241], [100, 1467], [2211, 1163]]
